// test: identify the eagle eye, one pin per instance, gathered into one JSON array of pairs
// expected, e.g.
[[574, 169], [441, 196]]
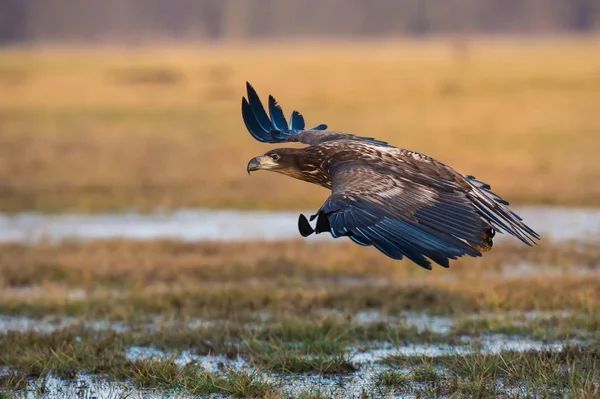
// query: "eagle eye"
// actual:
[[275, 157]]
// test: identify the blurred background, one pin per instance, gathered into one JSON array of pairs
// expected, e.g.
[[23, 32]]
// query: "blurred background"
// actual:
[[135, 104], [144, 20]]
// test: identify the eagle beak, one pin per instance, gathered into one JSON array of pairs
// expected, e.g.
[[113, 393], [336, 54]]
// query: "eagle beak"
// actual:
[[254, 164]]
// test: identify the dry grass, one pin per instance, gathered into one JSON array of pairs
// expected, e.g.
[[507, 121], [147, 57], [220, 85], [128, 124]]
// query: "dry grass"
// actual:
[[97, 129], [125, 280], [132, 264]]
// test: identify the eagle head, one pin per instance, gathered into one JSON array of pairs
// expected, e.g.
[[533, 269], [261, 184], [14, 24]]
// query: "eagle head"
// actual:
[[293, 162], [283, 160]]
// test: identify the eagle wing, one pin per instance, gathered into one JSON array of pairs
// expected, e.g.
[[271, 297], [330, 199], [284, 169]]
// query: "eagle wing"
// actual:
[[417, 209], [274, 128]]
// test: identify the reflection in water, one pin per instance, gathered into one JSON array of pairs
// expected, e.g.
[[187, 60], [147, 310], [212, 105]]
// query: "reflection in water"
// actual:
[[195, 225]]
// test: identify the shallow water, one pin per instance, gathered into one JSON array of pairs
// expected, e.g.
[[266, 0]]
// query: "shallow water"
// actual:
[[86, 386], [26, 324], [352, 385], [212, 363], [50, 324], [489, 344], [421, 321], [554, 223]]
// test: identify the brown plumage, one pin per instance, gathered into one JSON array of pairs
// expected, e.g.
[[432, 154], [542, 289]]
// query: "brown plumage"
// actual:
[[404, 203]]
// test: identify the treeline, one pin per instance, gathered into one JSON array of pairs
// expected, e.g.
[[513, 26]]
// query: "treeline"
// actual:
[[143, 20]]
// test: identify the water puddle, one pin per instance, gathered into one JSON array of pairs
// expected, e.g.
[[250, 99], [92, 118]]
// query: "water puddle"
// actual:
[[384, 350], [356, 385], [553, 223], [50, 324], [369, 363], [524, 269], [489, 344], [27, 324], [353, 385], [422, 322], [426, 322], [212, 363], [498, 343], [87, 386], [419, 320]]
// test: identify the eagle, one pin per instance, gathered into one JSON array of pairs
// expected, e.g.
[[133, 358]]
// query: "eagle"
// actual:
[[404, 203]]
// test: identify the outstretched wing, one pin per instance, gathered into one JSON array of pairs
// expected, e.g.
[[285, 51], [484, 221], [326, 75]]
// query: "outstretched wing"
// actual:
[[274, 128], [408, 212]]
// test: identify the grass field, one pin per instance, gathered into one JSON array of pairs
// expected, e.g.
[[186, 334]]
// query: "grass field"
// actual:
[[125, 279], [107, 129], [102, 129], [297, 319]]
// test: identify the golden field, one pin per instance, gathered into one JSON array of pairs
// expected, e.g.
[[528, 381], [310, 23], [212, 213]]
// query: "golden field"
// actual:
[[123, 279], [93, 129]]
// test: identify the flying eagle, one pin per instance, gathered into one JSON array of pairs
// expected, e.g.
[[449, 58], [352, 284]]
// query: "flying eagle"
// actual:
[[403, 203]]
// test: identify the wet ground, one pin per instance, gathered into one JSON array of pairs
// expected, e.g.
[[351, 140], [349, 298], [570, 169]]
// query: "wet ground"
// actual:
[[372, 361], [555, 223], [369, 364], [427, 354], [420, 321], [365, 382]]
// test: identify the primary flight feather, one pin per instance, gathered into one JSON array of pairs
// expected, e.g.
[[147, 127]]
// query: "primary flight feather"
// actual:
[[404, 203]]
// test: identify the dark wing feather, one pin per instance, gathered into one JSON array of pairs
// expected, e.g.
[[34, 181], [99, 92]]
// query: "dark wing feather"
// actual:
[[375, 206], [277, 116], [296, 121], [256, 108], [495, 210], [276, 129], [272, 129], [419, 209]]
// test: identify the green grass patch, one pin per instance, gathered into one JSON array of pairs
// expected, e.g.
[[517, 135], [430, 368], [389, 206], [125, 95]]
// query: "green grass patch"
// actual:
[[12, 381], [236, 383], [583, 324], [573, 370], [393, 379], [279, 357]]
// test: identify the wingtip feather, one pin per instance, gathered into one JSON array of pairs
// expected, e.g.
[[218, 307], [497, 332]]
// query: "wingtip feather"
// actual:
[[271, 126], [296, 121], [277, 116], [251, 122]]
